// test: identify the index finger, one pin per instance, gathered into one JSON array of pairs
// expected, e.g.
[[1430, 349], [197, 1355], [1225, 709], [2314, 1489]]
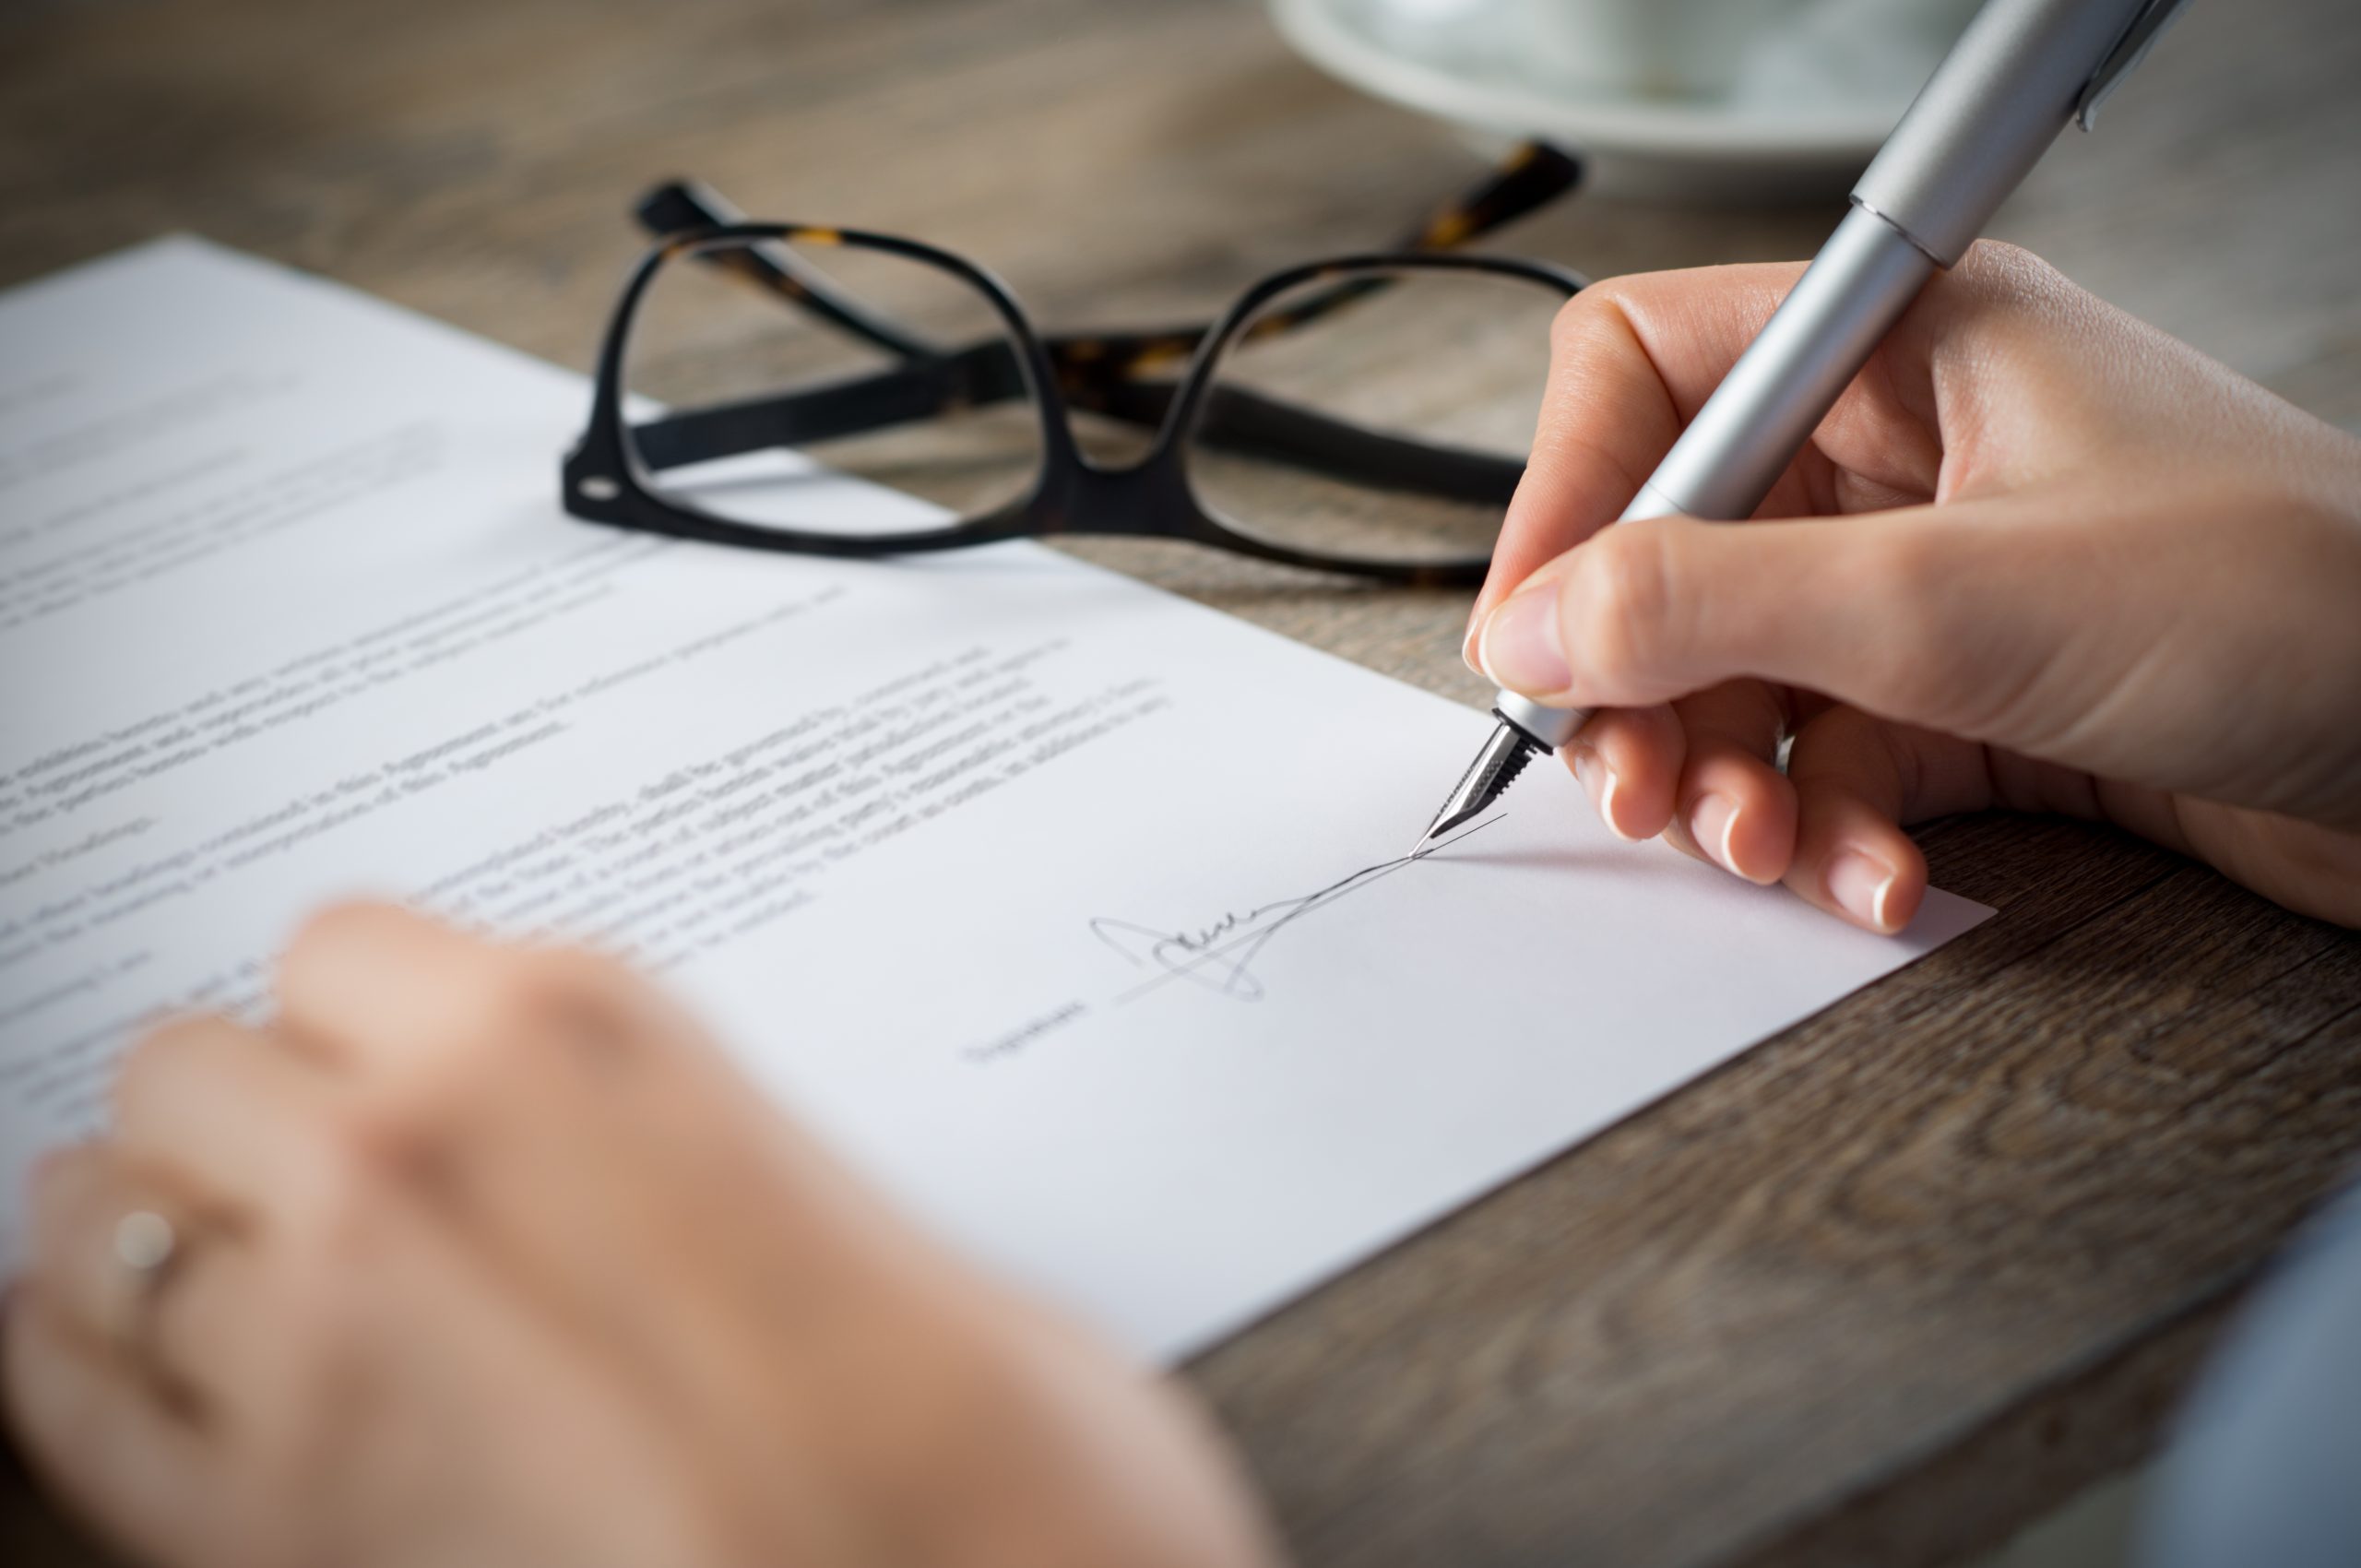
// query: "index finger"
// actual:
[[1631, 360]]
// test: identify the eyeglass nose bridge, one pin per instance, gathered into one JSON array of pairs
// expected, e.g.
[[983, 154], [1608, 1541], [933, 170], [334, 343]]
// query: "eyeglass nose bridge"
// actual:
[[1148, 497]]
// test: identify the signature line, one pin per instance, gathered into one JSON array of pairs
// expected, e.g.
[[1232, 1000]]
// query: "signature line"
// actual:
[[1220, 956]]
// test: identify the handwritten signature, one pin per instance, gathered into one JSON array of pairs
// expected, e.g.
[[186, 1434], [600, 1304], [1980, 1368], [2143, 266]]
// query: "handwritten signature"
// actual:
[[1220, 956]]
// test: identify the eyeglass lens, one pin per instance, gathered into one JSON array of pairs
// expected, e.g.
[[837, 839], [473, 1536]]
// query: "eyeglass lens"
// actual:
[[1382, 416], [746, 407]]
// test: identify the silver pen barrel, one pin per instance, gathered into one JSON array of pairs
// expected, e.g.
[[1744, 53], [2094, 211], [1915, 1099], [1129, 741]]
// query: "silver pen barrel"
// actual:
[[1760, 417], [2014, 80]]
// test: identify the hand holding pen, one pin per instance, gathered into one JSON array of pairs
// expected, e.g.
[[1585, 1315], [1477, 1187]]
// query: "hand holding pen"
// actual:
[[2021, 72], [2038, 557]]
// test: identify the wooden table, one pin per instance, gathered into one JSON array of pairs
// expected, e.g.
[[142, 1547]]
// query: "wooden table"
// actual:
[[1879, 1290]]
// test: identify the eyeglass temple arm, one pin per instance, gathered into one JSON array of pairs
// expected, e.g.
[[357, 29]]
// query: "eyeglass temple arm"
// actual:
[[1532, 175], [1535, 175], [852, 407], [1233, 419], [1239, 420]]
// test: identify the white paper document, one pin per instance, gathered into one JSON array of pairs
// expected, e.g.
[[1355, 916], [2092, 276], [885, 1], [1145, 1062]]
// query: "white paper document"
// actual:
[[1068, 911]]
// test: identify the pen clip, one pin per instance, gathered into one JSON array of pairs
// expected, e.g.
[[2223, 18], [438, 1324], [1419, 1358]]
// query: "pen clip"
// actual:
[[2129, 50]]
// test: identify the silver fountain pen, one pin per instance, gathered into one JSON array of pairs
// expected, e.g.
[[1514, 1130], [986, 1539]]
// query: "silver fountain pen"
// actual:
[[2019, 73]]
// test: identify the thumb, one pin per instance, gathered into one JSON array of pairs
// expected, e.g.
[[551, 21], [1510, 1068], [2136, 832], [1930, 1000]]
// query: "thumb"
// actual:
[[1899, 613]]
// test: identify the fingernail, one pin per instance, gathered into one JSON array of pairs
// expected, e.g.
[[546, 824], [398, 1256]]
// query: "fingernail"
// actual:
[[1713, 822], [1598, 780], [1468, 644], [1518, 647], [1863, 887]]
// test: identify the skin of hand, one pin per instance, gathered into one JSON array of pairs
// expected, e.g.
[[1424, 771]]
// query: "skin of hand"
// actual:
[[2039, 557], [489, 1257]]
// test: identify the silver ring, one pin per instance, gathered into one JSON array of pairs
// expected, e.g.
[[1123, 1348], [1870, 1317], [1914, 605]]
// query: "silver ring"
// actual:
[[147, 1249], [145, 1244]]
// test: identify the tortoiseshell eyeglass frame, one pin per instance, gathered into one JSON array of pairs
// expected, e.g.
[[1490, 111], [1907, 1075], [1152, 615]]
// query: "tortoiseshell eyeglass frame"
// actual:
[[1125, 376]]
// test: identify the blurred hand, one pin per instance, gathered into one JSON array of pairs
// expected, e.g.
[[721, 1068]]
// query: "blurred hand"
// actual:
[[485, 1256], [2039, 556]]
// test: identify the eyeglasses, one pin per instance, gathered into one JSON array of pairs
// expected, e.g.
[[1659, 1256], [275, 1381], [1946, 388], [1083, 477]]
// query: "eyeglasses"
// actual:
[[1368, 415]]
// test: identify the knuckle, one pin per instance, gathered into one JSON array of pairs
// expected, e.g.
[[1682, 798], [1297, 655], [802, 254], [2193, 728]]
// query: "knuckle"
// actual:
[[442, 1079], [346, 1164], [1593, 321], [1614, 607], [148, 1062], [339, 923], [471, 1030], [149, 1066], [1997, 273], [1999, 262], [577, 1002], [564, 973], [528, 1015], [508, 984], [2004, 297]]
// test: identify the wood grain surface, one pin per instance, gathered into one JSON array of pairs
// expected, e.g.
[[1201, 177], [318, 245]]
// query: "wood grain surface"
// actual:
[[1879, 1290]]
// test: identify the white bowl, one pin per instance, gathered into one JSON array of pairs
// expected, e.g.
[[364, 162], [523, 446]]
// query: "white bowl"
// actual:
[[1816, 96]]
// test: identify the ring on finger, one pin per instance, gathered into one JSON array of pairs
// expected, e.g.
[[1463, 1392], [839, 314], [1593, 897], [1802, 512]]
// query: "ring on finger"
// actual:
[[151, 1250]]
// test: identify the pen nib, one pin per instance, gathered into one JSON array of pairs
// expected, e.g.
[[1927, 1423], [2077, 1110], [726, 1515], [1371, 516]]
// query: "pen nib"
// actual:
[[1495, 768]]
